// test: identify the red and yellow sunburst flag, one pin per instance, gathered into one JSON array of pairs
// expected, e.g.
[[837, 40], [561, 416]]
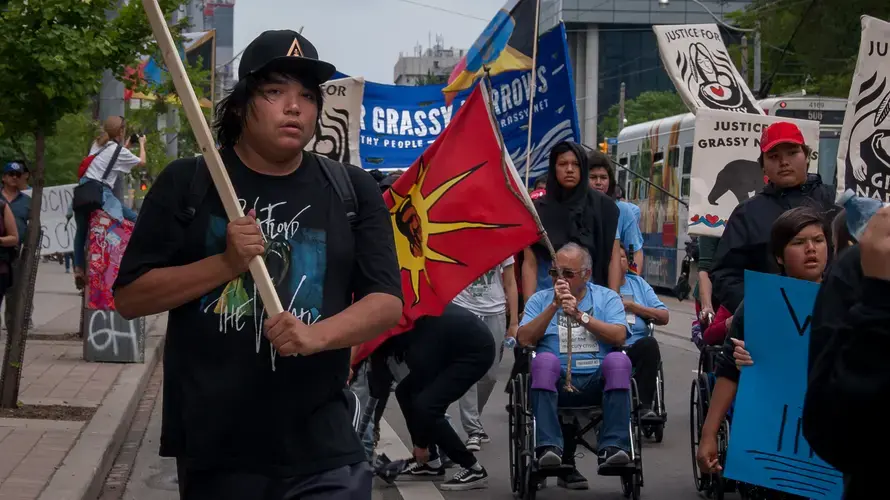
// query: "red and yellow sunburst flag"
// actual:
[[455, 215]]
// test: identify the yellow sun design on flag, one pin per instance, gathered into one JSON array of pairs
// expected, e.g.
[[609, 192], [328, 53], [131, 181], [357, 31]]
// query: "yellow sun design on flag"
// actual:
[[412, 226]]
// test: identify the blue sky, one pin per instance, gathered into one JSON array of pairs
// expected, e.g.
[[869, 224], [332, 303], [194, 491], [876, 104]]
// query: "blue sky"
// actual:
[[364, 37]]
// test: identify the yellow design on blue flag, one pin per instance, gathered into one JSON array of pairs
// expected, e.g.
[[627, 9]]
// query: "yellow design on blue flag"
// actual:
[[506, 44]]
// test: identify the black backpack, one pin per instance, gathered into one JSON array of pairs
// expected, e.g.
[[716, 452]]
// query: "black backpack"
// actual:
[[334, 171]]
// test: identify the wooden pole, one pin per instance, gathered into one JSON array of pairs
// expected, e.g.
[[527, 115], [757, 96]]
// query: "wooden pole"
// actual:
[[205, 140], [522, 195], [531, 100]]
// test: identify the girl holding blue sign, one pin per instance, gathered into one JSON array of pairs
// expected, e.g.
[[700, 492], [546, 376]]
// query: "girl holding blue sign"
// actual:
[[799, 248]]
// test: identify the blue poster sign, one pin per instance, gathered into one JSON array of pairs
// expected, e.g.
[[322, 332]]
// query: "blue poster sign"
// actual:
[[766, 445], [399, 122]]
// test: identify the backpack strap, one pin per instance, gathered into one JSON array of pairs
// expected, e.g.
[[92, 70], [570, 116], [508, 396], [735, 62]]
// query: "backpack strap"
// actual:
[[338, 176], [198, 187], [117, 153]]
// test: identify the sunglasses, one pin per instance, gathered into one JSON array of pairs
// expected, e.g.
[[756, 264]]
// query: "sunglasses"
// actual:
[[566, 273]]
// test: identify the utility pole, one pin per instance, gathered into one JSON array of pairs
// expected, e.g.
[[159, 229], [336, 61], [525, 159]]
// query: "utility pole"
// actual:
[[757, 60], [745, 59], [621, 108]]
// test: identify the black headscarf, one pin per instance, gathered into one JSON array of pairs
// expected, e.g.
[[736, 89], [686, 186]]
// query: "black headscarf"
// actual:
[[578, 215]]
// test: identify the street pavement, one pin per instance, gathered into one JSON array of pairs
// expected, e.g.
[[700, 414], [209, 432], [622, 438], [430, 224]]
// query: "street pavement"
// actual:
[[667, 465]]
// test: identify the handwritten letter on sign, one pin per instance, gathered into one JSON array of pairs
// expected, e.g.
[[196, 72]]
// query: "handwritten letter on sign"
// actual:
[[766, 445]]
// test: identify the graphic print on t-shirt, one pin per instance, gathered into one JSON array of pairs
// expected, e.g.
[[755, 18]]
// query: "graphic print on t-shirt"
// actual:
[[296, 259], [482, 285]]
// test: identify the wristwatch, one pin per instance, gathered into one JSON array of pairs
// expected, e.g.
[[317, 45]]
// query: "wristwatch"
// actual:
[[585, 318]]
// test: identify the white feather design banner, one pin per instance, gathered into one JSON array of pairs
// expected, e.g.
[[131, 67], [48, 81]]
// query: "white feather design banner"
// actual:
[[698, 63], [863, 155], [339, 126]]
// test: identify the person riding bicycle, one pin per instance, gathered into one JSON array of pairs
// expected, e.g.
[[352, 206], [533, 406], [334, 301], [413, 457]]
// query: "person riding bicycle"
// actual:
[[600, 372]]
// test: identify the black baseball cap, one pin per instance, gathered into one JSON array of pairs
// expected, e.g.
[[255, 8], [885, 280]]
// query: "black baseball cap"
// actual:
[[285, 51]]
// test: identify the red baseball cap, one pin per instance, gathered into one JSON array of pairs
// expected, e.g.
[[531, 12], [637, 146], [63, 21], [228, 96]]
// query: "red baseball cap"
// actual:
[[780, 133]]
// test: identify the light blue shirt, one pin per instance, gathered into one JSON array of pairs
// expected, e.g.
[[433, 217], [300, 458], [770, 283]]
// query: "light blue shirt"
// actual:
[[629, 226], [644, 295], [587, 352]]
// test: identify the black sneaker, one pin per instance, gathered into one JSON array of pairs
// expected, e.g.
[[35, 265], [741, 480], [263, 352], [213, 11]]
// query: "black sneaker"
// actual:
[[573, 481], [415, 471], [484, 438], [467, 479], [474, 443], [612, 457], [548, 457]]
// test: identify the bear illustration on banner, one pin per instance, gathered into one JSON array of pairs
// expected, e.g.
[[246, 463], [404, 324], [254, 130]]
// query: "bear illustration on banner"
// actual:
[[864, 149], [698, 63], [725, 171]]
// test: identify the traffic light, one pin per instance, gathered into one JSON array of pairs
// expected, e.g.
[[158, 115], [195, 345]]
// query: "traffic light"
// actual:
[[604, 147]]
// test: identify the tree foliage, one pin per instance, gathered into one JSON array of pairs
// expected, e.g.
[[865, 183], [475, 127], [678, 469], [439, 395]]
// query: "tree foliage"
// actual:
[[647, 106], [822, 55], [52, 56]]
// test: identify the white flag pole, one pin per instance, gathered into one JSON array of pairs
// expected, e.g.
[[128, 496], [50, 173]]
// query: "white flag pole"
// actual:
[[205, 140], [531, 101]]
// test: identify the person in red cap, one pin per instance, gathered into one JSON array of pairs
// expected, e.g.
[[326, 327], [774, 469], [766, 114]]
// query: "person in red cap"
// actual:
[[785, 159]]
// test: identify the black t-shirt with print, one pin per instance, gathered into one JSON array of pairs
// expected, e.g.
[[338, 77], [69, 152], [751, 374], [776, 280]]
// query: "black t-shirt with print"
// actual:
[[228, 401]]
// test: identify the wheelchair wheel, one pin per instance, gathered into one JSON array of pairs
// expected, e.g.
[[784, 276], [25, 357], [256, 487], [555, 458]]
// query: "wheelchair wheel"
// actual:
[[698, 409], [658, 432], [637, 437], [514, 414], [631, 484]]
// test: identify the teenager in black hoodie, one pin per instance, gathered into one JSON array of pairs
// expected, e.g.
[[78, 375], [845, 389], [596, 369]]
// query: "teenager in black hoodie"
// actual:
[[849, 378], [745, 241], [571, 212]]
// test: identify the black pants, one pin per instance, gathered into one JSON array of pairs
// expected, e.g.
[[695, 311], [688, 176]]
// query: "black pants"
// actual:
[[443, 366], [645, 356], [351, 482]]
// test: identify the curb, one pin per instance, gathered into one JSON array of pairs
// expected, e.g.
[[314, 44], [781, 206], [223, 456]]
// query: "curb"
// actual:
[[83, 471]]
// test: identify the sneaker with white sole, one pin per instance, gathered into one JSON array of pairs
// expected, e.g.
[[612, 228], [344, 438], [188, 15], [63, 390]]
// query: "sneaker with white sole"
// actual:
[[416, 471], [467, 479], [484, 438], [474, 443]]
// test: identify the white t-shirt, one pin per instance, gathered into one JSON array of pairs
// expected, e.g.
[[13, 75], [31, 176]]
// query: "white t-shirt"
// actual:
[[125, 162], [485, 296]]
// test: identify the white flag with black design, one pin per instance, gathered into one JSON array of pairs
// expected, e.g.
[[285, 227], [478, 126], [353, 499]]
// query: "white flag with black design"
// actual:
[[863, 155], [698, 63], [337, 133]]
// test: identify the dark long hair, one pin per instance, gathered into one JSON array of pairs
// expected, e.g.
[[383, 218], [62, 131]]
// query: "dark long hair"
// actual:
[[789, 224], [231, 112], [843, 239]]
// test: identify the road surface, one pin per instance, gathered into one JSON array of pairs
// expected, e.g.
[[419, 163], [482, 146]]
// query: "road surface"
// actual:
[[667, 465]]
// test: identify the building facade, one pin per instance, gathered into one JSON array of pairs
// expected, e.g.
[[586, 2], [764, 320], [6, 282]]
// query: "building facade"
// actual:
[[611, 41], [433, 65]]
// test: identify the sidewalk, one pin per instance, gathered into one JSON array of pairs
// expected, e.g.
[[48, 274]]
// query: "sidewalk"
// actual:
[[56, 459]]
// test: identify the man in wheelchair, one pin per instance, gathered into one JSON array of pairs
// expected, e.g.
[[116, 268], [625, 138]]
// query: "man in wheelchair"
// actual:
[[600, 372]]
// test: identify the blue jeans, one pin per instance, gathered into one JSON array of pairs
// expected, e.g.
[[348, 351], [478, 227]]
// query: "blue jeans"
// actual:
[[615, 429]]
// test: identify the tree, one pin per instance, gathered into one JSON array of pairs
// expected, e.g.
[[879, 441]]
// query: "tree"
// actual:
[[52, 55], [430, 79], [647, 106], [822, 55]]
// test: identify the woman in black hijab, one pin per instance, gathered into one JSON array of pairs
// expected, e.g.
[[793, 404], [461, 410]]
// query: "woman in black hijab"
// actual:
[[572, 212]]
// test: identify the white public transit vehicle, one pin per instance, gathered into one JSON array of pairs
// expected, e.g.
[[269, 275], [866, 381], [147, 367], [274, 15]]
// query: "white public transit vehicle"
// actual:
[[661, 152]]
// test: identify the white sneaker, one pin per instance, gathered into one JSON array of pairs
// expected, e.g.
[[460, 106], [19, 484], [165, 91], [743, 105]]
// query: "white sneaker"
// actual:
[[474, 443]]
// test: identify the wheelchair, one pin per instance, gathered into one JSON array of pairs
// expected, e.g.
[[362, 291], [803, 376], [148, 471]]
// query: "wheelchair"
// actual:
[[654, 428], [525, 475]]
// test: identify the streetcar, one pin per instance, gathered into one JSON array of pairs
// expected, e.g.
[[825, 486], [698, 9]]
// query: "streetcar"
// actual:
[[661, 152]]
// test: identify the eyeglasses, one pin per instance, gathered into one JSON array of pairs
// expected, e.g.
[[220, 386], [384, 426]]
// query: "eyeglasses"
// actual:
[[566, 273]]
